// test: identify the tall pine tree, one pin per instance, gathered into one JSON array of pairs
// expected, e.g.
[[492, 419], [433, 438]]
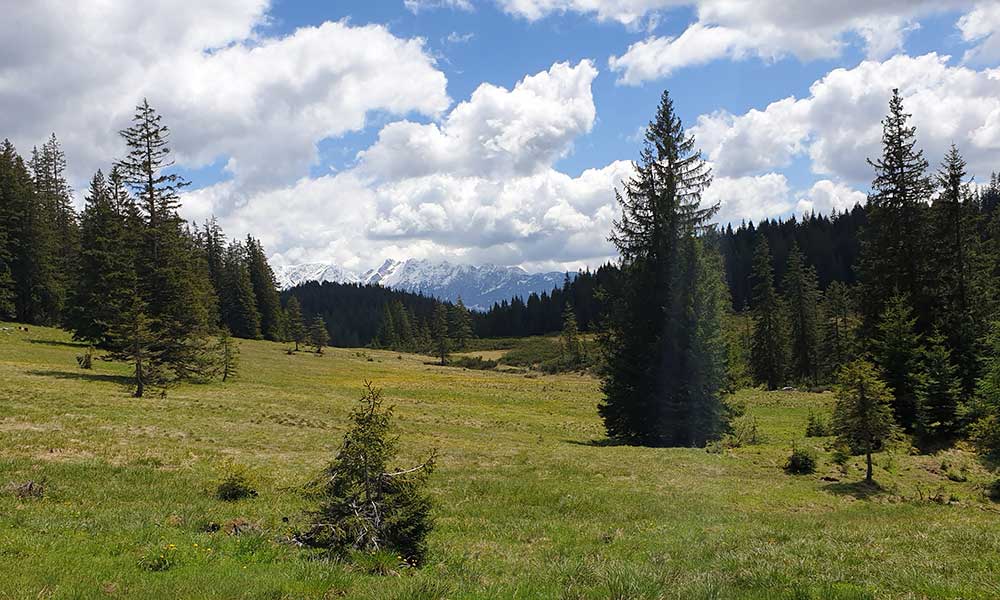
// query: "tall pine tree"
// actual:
[[265, 290], [897, 349], [769, 345], [802, 299], [665, 371]]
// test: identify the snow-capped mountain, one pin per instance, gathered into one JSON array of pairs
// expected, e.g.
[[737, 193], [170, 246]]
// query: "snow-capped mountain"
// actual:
[[478, 286]]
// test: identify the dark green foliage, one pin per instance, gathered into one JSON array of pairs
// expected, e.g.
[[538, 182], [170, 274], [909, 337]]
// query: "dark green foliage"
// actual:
[[769, 346], [992, 490], [319, 336], [738, 333], [898, 351], [229, 356], [294, 325], [664, 349], [839, 330], [895, 253], [440, 334], [265, 291], [818, 426], [802, 299], [367, 506], [105, 268], [133, 341], [460, 324], [939, 391], [477, 363], [238, 302], [863, 419], [572, 346], [985, 412], [802, 461]]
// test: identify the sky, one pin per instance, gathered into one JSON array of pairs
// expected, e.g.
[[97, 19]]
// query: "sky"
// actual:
[[493, 131]]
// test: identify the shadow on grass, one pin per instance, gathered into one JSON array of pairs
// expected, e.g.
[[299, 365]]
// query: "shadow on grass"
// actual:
[[58, 343], [84, 376], [598, 443], [862, 490]]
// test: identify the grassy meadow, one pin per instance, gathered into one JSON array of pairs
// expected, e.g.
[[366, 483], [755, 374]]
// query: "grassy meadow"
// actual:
[[531, 502]]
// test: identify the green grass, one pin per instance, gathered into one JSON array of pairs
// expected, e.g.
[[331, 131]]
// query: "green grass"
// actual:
[[530, 500]]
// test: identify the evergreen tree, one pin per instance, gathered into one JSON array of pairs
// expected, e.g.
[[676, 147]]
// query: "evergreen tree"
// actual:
[[54, 195], [894, 254], [133, 341], [387, 336], [461, 324], [839, 331], [173, 282], [229, 355], [296, 326], [105, 268], [862, 417], [239, 306], [572, 348], [897, 349], [938, 393], [439, 332], [663, 380], [802, 300], [213, 244], [319, 334], [985, 411], [265, 290], [403, 326], [769, 348], [8, 231], [959, 270]]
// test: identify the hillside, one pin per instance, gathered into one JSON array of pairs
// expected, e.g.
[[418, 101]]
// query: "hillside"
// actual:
[[531, 503]]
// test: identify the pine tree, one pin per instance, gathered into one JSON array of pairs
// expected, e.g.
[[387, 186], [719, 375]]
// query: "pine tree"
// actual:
[[572, 348], [8, 231], [403, 326], [173, 282], [894, 252], [134, 342], [319, 334], [213, 244], [985, 410], [839, 331], [769, 348], [296, 326], [959, 268], [229, 355], [862, 417], [461, 324], [439, 332], [938, 392], [897, 349], [662, 384], [386, 337], [239, 306], [265, 290], [105, 268], [802, 299], [54, 195]]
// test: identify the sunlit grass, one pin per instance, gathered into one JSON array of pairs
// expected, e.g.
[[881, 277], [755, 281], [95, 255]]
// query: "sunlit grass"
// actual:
[[531, 501]]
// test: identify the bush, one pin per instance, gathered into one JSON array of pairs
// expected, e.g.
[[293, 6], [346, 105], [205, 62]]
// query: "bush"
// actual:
[[744, 431], [86, 360], [473, 362], [802, 461], [238, 484], [992, 490], [818, 426], [365, 506]]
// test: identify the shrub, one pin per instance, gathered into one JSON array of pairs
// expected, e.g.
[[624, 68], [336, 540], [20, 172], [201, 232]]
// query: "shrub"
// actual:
[[365, 506], [86, 360], [744, 431], [992, 490], [238, 484], [473, 362], [818, 426], [803, 461]]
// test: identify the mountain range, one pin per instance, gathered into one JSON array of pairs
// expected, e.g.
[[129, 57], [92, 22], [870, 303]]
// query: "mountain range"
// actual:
[[478, 286]]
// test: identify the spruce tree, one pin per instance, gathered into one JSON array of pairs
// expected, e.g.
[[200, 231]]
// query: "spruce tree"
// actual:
[[295, 325], [229, 355], [8, 231], [461, 324], [769, 348], [173, 282], [439, 332], [319, 334], [239, 306], [265, 290], [105, 274], [839, 331], [802, 299], [894, 251], [54, 195], [386, 336], [133, 341], [572, 348], [897, 348], [663, 380], [862, 417], [959, 270], [938, 392]]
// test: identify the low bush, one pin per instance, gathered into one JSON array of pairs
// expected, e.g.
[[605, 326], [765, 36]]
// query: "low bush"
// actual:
[[992, 490], [818, 426], [477, 363], [802, 461], [237, 484]]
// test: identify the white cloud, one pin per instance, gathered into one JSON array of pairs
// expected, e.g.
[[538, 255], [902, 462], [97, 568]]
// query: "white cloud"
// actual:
[[826, 197], [982, 26], [415, 6], [752, 197], [497, 132], [260, 103], [839, 124]]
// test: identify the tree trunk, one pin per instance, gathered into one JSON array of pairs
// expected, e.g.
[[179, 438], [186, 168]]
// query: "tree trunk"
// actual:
[[868, 474], [139, 384]]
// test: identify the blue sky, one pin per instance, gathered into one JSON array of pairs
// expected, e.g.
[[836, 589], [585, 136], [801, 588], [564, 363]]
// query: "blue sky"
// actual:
[[496, 130]]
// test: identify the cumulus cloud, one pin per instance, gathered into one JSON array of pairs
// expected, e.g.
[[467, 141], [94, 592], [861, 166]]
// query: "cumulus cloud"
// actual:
[[259, 103], [839, 124], [981, 26], [497, 132], [415, 6], [827, 197], [751, 197]]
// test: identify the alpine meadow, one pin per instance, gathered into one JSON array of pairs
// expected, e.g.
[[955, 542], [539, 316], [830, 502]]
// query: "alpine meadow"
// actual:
[[576, 299]]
